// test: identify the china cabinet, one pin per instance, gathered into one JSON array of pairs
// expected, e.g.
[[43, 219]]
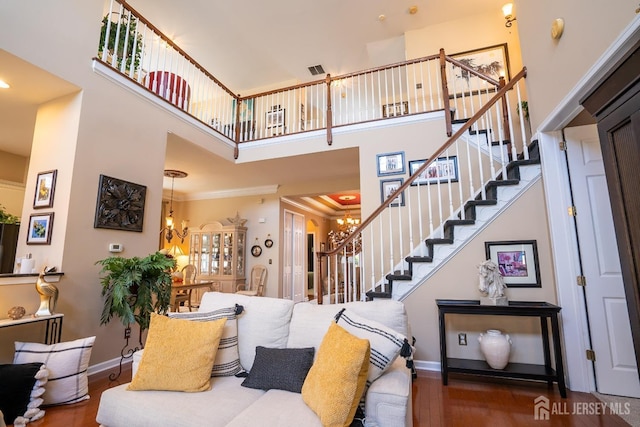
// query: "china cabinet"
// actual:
[[218, 252]]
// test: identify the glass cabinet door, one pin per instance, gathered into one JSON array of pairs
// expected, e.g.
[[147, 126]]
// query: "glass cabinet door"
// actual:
[[228, 254], [240, 253], [215, 256], [205, 254]]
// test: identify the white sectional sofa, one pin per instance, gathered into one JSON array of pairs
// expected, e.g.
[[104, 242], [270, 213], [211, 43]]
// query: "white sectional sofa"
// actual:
[[274, 323]]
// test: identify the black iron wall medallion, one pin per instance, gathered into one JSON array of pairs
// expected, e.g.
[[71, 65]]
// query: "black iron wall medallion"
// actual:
[[120, 204]]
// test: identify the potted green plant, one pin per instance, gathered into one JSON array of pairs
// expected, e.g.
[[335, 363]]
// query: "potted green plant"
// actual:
[[126, 36], [135, 287]]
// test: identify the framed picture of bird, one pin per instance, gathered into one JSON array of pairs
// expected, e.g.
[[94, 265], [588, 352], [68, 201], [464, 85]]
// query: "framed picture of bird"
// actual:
[[40, 226]]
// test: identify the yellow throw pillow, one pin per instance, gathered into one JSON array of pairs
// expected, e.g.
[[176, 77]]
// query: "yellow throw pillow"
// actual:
[[178, 355], [336, 380]]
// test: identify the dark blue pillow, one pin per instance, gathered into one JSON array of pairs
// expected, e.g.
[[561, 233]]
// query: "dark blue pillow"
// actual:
[[280, 368]]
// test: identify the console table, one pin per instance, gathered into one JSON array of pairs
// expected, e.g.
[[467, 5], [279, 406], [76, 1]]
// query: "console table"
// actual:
[[542, 310], [53, 329]]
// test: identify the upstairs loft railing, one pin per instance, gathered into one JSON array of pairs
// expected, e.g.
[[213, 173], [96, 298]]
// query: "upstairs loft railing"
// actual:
[[490, 134], [435, 194], [138, 50]]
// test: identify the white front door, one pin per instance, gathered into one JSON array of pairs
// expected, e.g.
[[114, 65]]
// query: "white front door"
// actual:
[[615, 364]]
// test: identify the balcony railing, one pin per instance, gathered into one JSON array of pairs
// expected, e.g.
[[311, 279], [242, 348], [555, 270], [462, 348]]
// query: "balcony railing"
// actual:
[[416, 209], [137, 49]]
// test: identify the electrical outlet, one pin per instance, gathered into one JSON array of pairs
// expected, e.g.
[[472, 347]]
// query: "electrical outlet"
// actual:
[[127, 333], [462, 338]]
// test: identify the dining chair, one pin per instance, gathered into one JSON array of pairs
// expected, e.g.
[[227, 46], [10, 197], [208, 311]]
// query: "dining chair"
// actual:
[[184, 296], [257, 282]]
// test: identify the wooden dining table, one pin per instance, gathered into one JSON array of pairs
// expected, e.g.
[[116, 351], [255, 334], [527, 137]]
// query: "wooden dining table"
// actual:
[[182, 286]]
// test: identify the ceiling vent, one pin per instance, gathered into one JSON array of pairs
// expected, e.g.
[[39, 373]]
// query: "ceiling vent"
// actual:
[[316, 69]]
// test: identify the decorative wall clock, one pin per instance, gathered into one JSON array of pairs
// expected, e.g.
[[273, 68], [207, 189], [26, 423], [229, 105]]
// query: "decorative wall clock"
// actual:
[[256, 250]]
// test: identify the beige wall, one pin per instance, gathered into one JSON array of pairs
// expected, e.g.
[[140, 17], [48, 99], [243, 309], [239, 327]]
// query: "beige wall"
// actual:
[[557, 66]]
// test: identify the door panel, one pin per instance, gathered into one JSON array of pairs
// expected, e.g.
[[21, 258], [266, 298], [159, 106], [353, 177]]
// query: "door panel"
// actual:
[[609, 325]]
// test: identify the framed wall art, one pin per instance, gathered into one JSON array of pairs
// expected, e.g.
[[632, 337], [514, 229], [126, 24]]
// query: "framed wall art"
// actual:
[[120, 204], [443, 170], [390, 163], [518, 262], [394, 110], [40, 226], [491, 61], [275, 118], [388, 187], [45, 187]]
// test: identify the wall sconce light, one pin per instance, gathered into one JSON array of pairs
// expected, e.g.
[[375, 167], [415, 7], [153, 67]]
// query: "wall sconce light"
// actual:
[[507, 10], [169, 227]]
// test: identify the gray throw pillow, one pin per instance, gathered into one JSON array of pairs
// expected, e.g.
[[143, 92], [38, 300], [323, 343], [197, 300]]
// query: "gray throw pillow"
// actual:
[[280, 368]]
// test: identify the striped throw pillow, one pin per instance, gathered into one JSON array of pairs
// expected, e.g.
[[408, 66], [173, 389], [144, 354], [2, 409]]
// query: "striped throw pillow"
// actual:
[[67, 363], [227, 361], [386, 344]]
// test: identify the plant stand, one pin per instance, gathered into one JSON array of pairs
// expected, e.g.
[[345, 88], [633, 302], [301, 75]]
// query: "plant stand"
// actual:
[[126, 354]]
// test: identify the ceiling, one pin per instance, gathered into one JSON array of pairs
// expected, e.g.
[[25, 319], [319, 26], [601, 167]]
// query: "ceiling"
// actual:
[[251, 46]]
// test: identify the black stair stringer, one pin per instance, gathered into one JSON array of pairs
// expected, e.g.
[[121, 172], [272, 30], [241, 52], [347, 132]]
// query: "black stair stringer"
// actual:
[[491, 190]]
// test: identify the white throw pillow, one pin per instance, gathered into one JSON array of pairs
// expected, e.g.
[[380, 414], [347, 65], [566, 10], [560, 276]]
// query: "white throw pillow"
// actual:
[[67, 363], [227, 361]]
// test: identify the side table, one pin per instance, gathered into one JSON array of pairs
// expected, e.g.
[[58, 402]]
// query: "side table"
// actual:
[[542, 310], [53, 328]]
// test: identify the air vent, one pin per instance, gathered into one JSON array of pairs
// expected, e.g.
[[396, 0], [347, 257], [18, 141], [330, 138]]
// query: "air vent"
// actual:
[[316, 69]]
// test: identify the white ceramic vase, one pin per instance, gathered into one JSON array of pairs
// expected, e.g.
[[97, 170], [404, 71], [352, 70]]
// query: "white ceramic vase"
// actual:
[[495, 348]]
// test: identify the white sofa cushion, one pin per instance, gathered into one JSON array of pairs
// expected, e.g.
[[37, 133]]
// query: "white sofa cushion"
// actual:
[[264, 321], [214, 408], [277, 408], [310, 321]]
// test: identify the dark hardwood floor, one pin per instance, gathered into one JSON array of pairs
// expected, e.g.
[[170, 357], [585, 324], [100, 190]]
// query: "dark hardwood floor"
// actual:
[[466, 401]]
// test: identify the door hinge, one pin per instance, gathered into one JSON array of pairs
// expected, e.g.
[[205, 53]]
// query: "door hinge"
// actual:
[[571, 210], [591, 355], [582, 281], [563, 145]]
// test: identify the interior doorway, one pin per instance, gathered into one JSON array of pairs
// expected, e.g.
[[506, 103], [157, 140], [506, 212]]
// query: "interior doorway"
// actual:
[[311, 265], [609, 326], [293, 257]]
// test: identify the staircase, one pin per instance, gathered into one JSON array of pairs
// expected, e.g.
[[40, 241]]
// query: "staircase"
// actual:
[[466, 183], [457, 232]]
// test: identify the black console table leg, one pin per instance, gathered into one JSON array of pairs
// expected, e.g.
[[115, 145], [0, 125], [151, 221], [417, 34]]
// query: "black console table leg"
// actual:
[[555, 330], [544, 331], [444, 371]]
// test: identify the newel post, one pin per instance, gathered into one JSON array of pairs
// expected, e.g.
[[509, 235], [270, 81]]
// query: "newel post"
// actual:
[[445, 93], [329, 112], [505, 115]]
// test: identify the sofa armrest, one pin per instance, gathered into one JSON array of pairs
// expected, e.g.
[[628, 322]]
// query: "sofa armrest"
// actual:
[[135, 362], [388, 401]]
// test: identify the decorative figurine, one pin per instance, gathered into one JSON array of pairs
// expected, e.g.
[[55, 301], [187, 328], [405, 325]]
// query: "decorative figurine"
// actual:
[[492, 284], [16, 312], [48, 295]]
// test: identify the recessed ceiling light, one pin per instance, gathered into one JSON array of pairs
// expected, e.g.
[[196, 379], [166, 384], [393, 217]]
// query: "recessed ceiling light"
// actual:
[[381, 18], [413, 10], [4, 85]]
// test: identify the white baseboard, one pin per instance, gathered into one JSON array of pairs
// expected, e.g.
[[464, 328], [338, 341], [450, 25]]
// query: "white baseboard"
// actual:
[[425, 365], [109, 364]]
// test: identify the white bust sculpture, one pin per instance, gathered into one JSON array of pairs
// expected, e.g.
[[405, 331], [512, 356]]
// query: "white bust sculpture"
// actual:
[[492, 284]]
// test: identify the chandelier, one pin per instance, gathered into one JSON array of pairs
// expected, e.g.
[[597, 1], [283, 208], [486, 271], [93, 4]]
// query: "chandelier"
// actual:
[[346, 226], [170, 229]]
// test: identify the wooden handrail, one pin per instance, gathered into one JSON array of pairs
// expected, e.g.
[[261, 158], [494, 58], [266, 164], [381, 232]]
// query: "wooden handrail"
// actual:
[[465, 127]]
